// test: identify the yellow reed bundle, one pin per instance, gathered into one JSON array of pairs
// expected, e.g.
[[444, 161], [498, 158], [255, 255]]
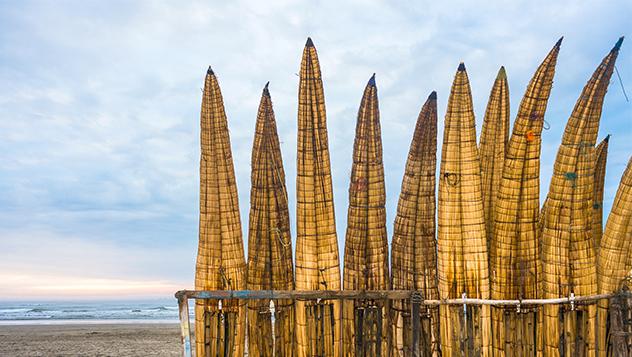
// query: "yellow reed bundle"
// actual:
[[317, 264], [220, 260], [366, 243], [461, 244], [492, 147], [269, 242], [601, 154], [614, 252], [514, 246], [568, 251], [414, 256]]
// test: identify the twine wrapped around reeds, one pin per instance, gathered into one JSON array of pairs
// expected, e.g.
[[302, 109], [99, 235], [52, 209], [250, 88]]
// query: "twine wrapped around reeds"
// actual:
[[613, 264], [568, 251], [492, 147], [317, 262], [269, 242], [414, 256], [220, 260], [366, 243], [514, 245], [461, 243]]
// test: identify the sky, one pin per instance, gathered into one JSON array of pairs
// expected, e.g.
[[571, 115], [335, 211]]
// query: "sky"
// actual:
[[100, 102]]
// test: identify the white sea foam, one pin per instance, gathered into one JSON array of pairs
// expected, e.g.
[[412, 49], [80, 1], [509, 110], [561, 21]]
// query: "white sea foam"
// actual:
[[12, 313]]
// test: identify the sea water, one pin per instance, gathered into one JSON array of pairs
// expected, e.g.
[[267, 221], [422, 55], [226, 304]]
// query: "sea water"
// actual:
[[154, 311]]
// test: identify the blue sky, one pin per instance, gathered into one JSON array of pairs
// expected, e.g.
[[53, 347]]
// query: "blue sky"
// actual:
[[99, 113]]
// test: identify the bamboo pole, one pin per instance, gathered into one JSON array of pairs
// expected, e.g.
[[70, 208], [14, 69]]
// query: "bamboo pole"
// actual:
[[414, 256], [614, 252], [269, 242], [366, 243], [601, 153], [462, 246], [220, 261], [514, 245], [317, 263], [568, 251], [492, 147]]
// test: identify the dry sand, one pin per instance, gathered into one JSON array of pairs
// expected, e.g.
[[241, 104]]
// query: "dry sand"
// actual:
[[90, 340]]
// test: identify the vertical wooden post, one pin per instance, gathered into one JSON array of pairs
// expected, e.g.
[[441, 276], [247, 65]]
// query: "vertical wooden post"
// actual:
[[185, 326], [415, 300], [341, 349]]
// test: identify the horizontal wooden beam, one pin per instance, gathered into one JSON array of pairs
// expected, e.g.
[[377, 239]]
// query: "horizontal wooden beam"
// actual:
[[378, 295]]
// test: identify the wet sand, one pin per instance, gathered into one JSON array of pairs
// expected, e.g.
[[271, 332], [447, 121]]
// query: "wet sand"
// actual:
[[90, 340]]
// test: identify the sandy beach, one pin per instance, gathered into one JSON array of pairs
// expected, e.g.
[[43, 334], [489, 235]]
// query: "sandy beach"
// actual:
[[90, 340]]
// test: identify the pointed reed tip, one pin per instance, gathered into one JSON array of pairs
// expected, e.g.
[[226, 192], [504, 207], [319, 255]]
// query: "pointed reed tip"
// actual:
[[559, 42], [372, 81], [617, 45], [501, 73], [309, 42], [461, 67], [210, 71], [433, 95], [266, 92]]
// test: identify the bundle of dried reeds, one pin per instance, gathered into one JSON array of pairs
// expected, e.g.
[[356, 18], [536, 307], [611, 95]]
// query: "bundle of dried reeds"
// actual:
[[366, 243], [220, 261], [514, 245], [462, 246], [414, 256], [492, 147], [568, 251], [269, 242], [601, 153], [317, 264], [614, 251]]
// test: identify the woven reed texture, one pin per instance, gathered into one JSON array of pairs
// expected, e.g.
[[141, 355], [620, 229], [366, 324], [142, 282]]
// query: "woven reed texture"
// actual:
[[317, 262], [614, 251], [514, 245], [220, 261], [461, 244], [568, 252], [269, 242], [492, 147], [601, 153], [414, 256], [366, 242]]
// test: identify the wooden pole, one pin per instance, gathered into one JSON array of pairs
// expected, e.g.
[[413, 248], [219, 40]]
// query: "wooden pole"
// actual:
[[185, 325]]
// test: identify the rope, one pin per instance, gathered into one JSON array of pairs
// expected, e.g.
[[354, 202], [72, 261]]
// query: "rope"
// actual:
[[621, 83], [545, 125], [455, 178]]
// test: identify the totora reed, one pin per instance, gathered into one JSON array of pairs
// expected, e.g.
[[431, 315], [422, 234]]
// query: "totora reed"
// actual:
[[478, 266], [269, 242]]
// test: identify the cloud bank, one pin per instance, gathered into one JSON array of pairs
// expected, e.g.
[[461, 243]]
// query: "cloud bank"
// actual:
[[99, 112]]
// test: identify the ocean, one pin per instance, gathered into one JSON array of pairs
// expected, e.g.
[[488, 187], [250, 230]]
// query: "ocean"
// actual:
[[153, 311]]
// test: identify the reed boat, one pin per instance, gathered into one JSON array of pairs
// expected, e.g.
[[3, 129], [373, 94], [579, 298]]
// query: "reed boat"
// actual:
[[366, 244], [613, 264], [219, 329], [514, 245], [492, 147], [413, 252], [568, 256], [317, 261], [601, 154], [461, 243], [270, 264]]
